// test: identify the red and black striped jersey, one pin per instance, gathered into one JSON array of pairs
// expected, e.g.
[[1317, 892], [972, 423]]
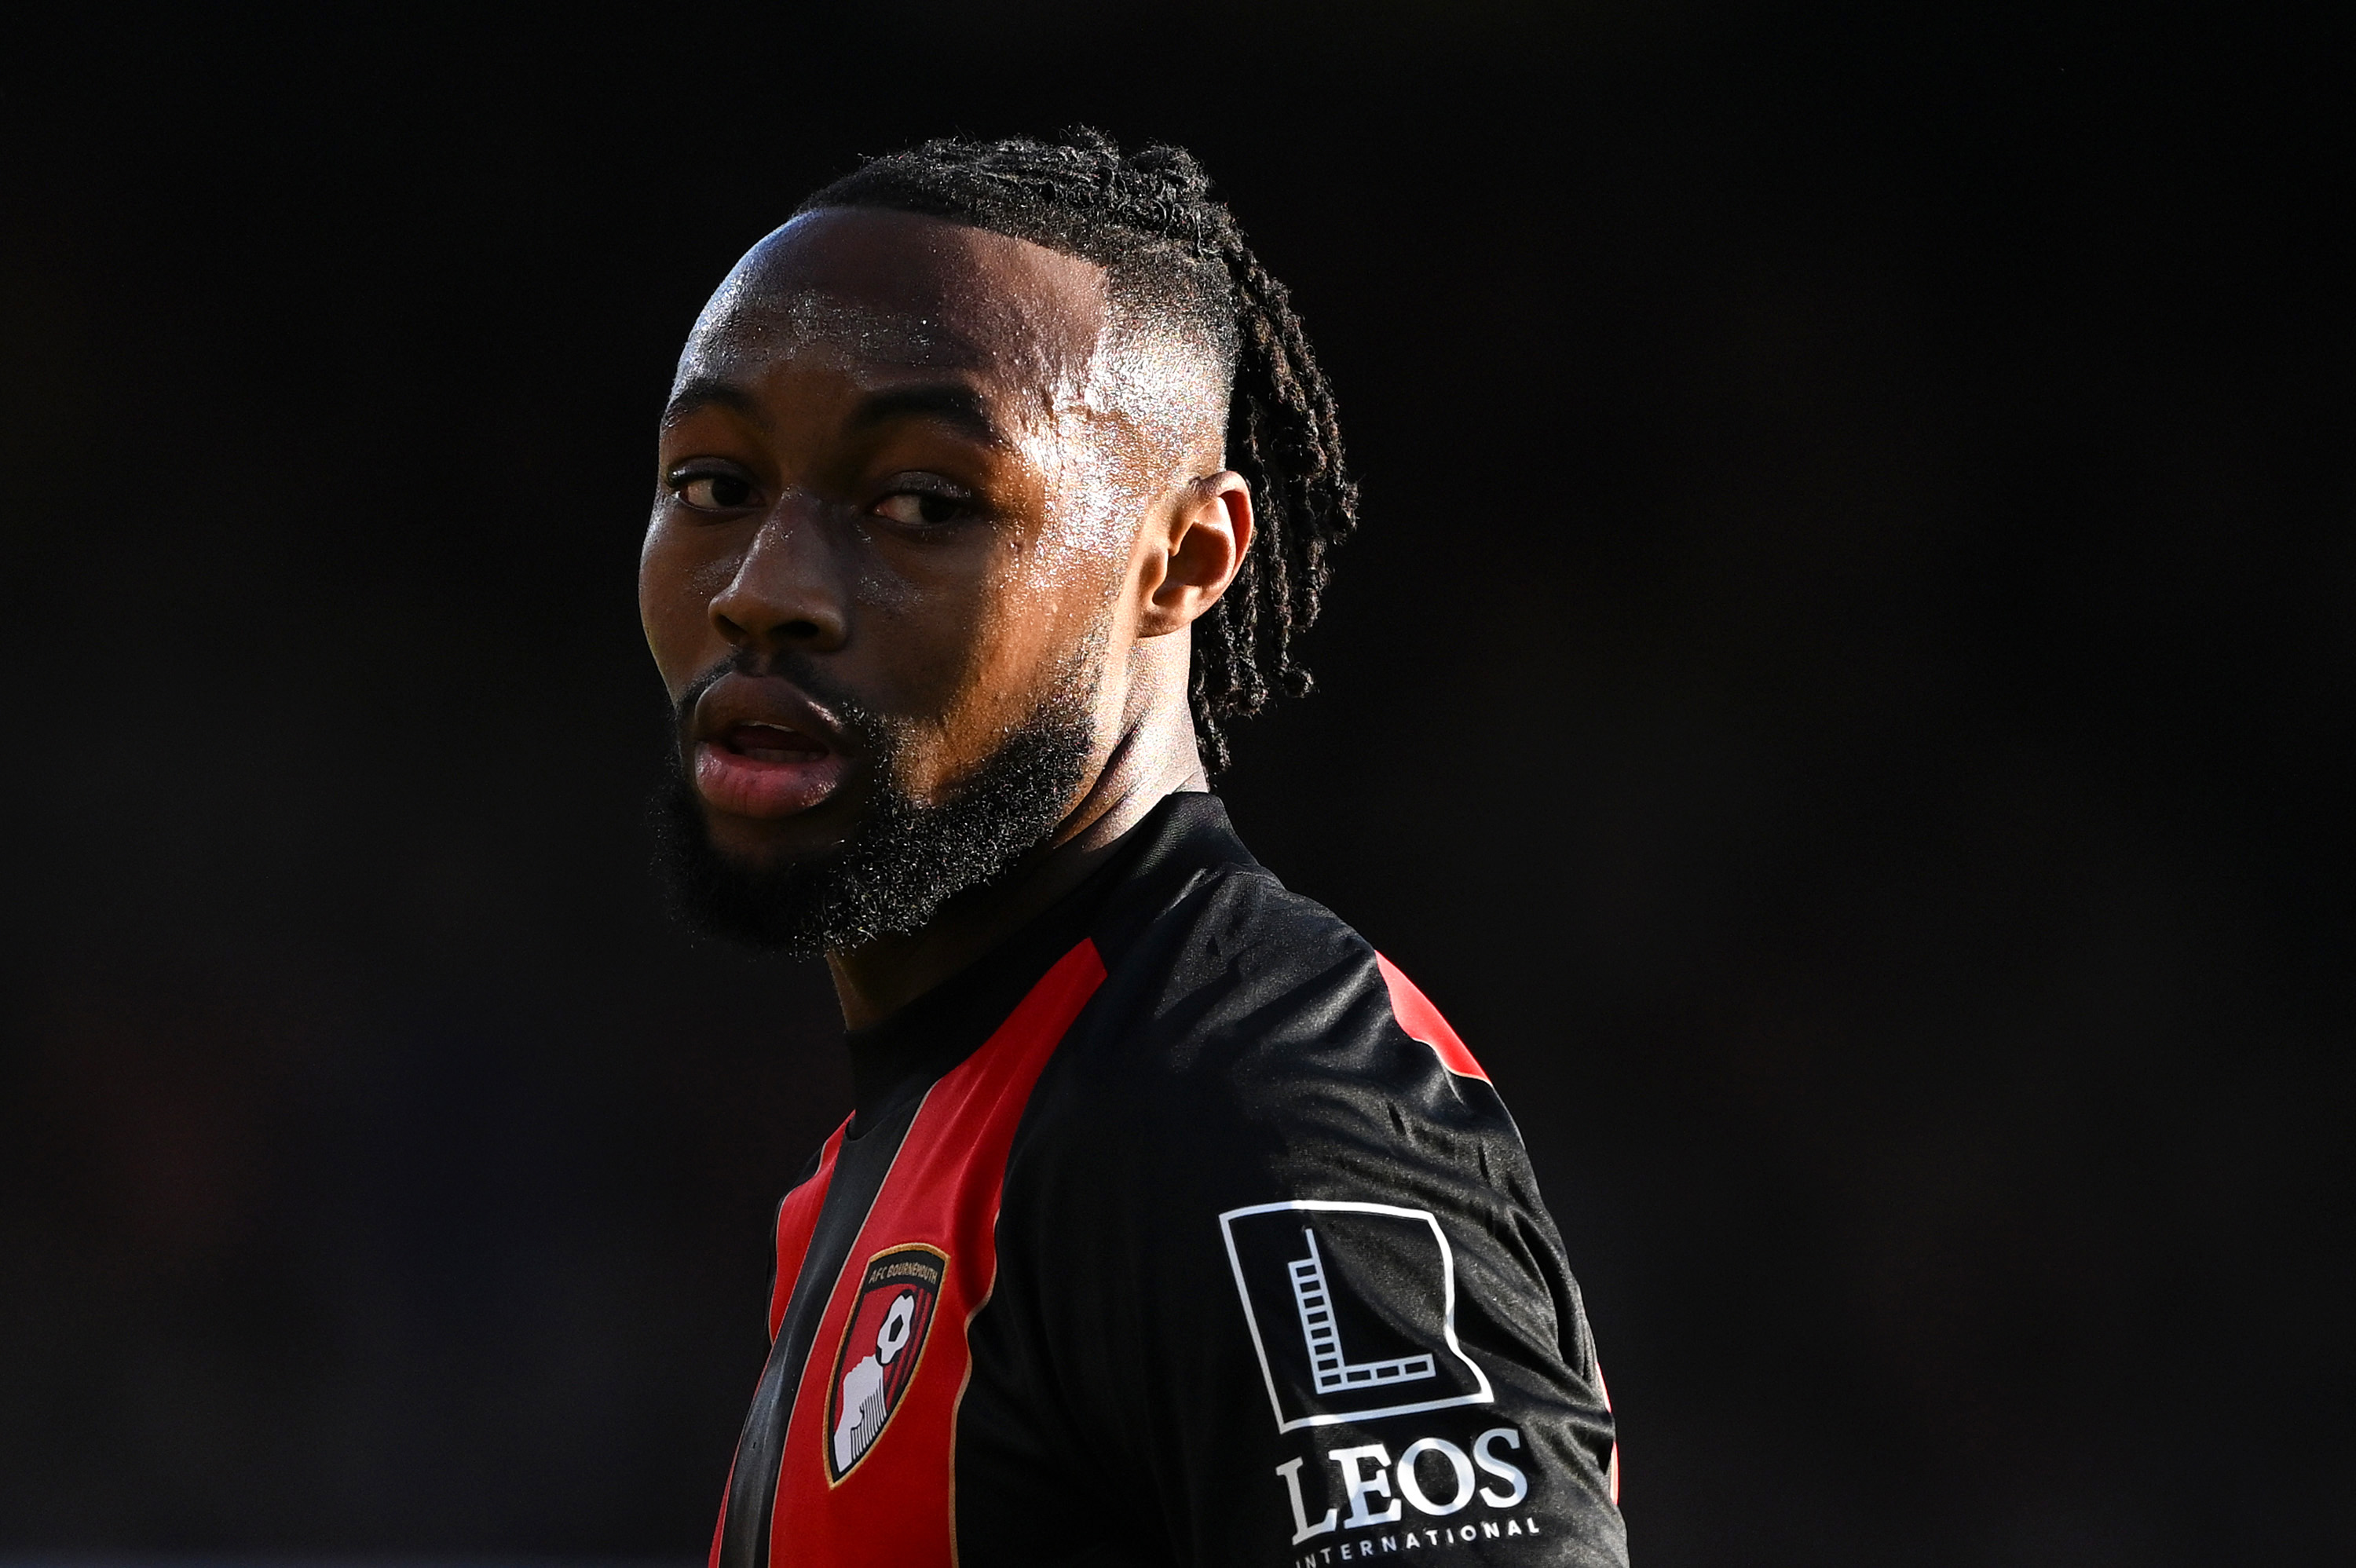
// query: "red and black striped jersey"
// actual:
[[1182, 1229]]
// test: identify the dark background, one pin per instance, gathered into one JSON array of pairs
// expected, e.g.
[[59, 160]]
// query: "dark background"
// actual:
[[1844, 696]]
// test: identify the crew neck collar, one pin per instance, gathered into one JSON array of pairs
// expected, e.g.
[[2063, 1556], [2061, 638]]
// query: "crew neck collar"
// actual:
[[895, 1061]]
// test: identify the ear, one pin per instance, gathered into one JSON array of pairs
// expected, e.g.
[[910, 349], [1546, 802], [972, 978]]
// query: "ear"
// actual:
[[1189, 560]]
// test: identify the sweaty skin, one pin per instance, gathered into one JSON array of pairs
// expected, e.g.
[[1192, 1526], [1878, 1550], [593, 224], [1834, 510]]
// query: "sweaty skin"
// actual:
[[925, 468]]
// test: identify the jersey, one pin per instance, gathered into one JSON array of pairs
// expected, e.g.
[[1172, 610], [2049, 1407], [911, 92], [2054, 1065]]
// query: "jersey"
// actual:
[[1180, 1230]]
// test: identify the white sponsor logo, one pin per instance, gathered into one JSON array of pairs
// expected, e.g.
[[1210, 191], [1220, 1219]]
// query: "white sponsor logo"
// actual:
[[1334, 1344], [1432, 1476]]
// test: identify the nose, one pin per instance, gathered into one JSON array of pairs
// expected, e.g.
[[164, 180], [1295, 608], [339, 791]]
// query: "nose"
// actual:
[[786, 593]]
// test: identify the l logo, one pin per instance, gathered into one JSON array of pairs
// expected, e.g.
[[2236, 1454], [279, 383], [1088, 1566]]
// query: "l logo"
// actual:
[[881, 1347], [1352, 1307]]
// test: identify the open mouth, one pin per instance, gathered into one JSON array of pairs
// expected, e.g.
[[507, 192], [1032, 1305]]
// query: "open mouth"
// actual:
[[760, 743], [764, 767]]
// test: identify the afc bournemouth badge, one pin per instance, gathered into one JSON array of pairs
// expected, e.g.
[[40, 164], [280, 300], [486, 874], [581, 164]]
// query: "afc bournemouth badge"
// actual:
[[880, 1346]]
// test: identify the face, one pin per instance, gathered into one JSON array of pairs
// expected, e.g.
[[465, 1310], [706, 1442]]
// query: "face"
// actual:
[[903, 481]]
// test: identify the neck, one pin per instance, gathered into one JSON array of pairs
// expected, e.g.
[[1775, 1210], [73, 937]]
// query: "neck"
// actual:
[[1153, 758]]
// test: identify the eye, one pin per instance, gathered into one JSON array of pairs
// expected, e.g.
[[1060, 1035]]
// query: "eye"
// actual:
[[922, 508], [712, 490]]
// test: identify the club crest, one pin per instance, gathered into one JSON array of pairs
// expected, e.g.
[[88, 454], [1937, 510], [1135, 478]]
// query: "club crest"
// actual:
[[880, 1346]]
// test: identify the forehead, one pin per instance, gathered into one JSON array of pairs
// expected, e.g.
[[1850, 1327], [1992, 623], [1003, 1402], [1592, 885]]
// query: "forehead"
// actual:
[[894, 289]]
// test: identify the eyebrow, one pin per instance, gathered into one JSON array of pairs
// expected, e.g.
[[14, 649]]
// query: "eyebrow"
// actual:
[[953, 403], [707, 391]]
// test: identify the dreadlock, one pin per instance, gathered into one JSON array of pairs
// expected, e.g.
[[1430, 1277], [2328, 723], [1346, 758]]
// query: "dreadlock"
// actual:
[[1149, 218]]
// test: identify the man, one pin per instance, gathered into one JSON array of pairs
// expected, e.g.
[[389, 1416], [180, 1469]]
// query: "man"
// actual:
[[1173, 1224]]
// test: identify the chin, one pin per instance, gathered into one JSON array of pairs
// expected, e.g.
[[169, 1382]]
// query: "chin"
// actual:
[[775, 843], [749, 844]]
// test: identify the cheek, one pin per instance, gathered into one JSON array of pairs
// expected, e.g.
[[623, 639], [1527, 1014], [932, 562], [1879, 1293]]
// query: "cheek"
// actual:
[[677, 584], [973, 653], [929, 636], [1059, 582], [1046, 607]]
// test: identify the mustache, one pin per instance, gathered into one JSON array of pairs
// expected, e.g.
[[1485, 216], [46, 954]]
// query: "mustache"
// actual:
[[799, 670]]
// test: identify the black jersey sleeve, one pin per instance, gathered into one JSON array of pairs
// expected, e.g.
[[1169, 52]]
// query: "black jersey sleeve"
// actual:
[[1276, 1285]]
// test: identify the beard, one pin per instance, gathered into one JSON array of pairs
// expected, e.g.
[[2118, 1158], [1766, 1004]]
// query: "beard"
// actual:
[[904, 857]]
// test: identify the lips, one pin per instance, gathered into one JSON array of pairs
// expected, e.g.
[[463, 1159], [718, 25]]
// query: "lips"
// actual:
[[764, 750], [760, 743]]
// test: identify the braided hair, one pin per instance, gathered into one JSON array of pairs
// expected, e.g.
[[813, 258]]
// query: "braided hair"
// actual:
[[1149, 218]]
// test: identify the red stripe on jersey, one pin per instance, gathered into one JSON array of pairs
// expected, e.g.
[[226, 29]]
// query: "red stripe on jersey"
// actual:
[[797, 1221], [895, 1499], [1422, 1021]]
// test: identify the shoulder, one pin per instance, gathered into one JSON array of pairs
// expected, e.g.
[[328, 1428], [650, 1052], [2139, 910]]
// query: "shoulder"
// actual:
[[1242, 975], [1248, 1045], [1250, 1070]]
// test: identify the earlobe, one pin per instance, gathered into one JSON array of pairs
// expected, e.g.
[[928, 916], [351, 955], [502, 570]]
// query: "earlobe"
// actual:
[[1208, 534]]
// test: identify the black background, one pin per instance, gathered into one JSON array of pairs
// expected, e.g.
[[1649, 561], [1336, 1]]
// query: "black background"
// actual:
[[1843, 697]]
